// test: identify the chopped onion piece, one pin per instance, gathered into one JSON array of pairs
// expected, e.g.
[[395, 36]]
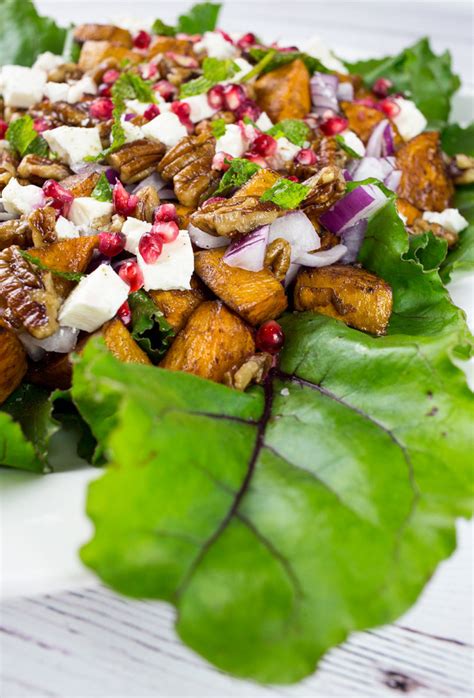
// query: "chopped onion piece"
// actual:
[[392, 180], [248, 252], [61, 342], [323, 92], [323, 258], [154, 180], [204, 240], [380, 143], [379, 168], [297, 229], [353, 238], [360, 203], [345, 92]]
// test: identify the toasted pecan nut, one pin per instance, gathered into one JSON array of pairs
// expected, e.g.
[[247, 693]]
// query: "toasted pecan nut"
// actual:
[[284, 93], [15, 232], [65, 72], [278, 258], [465, 166], [13, 363], [326, 187], [42, 222], [94, 52], [148, 200], [164, 44], [71, 114], [253, 370], [235, 216], [8, 165], [420, 226], [81, 184], [135, 161], [33, 167], [28, 300], [103, 32]]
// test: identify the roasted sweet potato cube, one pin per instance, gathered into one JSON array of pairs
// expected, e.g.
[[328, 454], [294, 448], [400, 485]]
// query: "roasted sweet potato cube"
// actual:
[[284, 93], [178, 306], [258, 184], [72, 255], [103, 32], [94, 52], [121, 343], [53, 372], [362, 119], [163, 44], [255, 296], [353, 295], [213, 341], [405, 208], [425, 182], [13, 363]]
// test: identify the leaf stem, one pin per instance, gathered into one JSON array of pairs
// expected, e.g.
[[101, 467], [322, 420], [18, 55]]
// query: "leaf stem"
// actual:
[[259, 66]]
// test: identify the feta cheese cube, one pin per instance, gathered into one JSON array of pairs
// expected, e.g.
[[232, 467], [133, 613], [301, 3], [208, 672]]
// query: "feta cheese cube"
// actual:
[[244, 68], [90, 213], [316, 47], [84, 86], [22, 87], [173, 268], [410, 121], [73, 143], [56, 91], [353, 141], [133, 229], [137, 107], [264, 122], [166, 128], [215, 46], [96, 299], [200, 108], [18, 200], [65, 230], [132, 132], [48, 61], [286, 151], [232, 142], [450, 219]]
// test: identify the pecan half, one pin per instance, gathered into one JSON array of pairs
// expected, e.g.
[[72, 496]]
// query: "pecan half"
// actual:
[[65, 72], [465, 167], [34, 167], [15, 232], [253, 370], [235, 216], [7, 167], [421, 226], [135, 161], [72, 114], [42, 222], [27, 297], [148, 200], [278, 257], [81, 184], [326, 187]]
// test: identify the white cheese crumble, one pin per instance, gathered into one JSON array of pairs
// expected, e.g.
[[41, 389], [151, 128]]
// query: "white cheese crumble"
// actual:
[[56, 91], [73, 143], [316, 47], [90, 213], [84, 86], [285, 153], [133, 229], [232, 142], [450, 219], [166, 128], [48, 61], [21, 200], [132, 132], [215, 46], [65, 230], [264, 123], [96, 299], [200, 108], [173, 268], [410, 122], [353, 141], [22, 87]]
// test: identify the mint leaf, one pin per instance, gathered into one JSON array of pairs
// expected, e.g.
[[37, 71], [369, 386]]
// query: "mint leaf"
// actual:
[[350, 151], [239, 172], [25, 33], [295, 130], [218, 127], [214, 70], [455, 139], [162, 29], [103, 189], [423, 76], [286, 194], [200, 18], [150, 329], [24, 139], [280, 58]]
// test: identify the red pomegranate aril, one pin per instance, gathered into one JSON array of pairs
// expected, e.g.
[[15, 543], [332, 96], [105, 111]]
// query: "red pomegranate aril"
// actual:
[[264, 145], [150, 246], [246, 41], [382, 87], [257, 159], [182, 110], [215, 97], [111, 244], [221, 161], [101, 109], [166, 90], [131, 273], [168, 231], [165, 213], [124, 203], [40, 125], [110, 76], [105, 90], [225, 35], [249, 109], [306, 156], [148, 71], [292, 178], [3, 128], [234, 95], [62, 198], [334, 125], [152, 111], [389, 107], [270, 337], [125, 314], [142, 40]]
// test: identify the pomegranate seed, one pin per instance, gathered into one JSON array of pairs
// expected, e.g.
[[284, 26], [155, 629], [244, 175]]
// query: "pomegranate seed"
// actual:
[[105, 90], [101, 109], [389, 107], [62, 198], [181, 109], [306, 156], [142, 40], [264, 145], [226, 36], [150, 246], [110, 76], [168, 231], [165, 213], [125, 314], [253, 157], [213, 200], [152, 111], [248, 108], [336, 124], [166, 90], [40, 125], [124, 203], [234, 95], [367, 102], [111, 244], [131, 273], [181, 60], [219, 161], [246, 41], [215, 97], [292, 178], [270, 337], [3, 128], [148, 71], [382, 87]]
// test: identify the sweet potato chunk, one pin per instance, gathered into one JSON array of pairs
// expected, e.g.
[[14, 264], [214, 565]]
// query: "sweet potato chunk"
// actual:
[[178, 306], [258, 184], [406, 209], [94, 52], [362, 119], [213, 341], [121, 343], [425, 182], [163, 44], [355, 296], [52, 372], [284, 93], [255, 296], [103, 32], [72, 255], [12, 363]]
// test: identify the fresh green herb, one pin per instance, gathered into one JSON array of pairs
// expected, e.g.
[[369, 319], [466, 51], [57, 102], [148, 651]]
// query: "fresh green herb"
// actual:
[[218, 127], [456, 140], [427, 249], [102, 190], [239, 172], [200, 18], [150, 329], [461, 258], [423, 76], [294, 129], [286, 194], [249, 121], [281, 58], [68, 275], [214, 70], [260, 66], [162, 29], [25, 33], [352, 184], [350, 151], [24, 139]]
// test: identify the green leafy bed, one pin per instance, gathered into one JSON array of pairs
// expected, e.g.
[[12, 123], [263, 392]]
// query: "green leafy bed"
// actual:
[[279, 520]]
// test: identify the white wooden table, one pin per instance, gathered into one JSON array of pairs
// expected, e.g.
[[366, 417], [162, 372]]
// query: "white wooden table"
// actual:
[[89, 642]]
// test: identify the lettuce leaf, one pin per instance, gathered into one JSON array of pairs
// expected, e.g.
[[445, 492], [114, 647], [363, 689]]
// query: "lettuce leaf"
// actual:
[[423, 76], [200, 18], [150, 329], [280, 58], [456, 139], [260, 514], [461, 258], [25, 33]]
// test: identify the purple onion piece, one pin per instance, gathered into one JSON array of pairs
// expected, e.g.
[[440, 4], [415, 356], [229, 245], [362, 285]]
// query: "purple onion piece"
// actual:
[[361, 202], [345, 92], [129, 117], [376, 140], [353, 238], [323, 92], [112, 175], [248, 252], [392, 181]]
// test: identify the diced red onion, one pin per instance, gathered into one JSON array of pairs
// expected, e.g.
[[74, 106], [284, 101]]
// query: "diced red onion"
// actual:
[[248, 252], [366, 167], [154, 180], [204, 240], [347, 175], [353, 238], [297, 229], [393, 179], [323, 92], [360, 203], [323, 258], [61, 342], [388, 147], [167, 194], [345, 92], [81, 168], [380, 143]]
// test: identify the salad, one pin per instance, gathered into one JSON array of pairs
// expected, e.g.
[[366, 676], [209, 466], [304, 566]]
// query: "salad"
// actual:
[[222, 274]]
